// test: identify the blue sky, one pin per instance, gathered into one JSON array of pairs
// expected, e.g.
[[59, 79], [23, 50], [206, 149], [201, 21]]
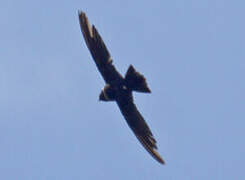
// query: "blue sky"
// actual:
[[52, 125]]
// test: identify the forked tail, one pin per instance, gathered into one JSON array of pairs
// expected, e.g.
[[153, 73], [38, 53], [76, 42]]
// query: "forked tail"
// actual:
[[136, 81]]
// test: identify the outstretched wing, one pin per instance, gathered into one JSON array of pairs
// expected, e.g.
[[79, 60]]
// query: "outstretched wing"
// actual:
[[99, 51], [137, 123]]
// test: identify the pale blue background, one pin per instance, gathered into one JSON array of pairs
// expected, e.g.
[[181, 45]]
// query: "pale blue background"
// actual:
[[52, 125]]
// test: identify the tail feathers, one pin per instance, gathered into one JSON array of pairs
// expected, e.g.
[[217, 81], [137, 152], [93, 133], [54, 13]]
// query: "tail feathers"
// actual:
[[136, 81]]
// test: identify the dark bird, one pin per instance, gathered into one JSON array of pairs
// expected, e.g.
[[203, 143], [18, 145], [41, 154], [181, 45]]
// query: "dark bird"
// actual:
[[119, 88]]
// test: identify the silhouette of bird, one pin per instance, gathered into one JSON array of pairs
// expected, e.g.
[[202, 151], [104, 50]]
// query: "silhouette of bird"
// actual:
[[119, 88]]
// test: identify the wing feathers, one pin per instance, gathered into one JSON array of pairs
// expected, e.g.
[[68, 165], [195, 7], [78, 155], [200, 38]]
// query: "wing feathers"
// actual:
[[140, 128], [150, 149], [94, 41], [99, 51]]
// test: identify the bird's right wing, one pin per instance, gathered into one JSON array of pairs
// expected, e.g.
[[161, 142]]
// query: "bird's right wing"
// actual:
[[141, 130], [98, 51]]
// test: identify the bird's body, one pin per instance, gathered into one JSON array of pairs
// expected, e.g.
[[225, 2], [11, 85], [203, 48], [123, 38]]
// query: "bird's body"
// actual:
[[119, 88]]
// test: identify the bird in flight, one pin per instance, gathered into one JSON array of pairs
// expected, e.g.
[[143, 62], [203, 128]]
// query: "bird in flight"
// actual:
[[119, 88]]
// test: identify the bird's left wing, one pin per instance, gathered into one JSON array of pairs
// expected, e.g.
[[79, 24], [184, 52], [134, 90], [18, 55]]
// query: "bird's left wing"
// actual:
[[137, 123], [98, 51]]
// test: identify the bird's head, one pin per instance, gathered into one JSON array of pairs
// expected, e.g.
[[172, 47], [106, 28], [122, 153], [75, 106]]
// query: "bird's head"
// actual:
[[107, 94], [102, 96]]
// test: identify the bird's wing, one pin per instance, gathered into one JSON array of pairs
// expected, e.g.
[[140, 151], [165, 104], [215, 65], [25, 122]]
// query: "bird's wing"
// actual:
[[98, 51], [137, 123]]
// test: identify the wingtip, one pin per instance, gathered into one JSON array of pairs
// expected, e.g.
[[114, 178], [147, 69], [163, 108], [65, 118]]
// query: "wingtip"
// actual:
[[158, 157], [82, 15], [152, 149], [161, 161], [80, 12], [155, 155]]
